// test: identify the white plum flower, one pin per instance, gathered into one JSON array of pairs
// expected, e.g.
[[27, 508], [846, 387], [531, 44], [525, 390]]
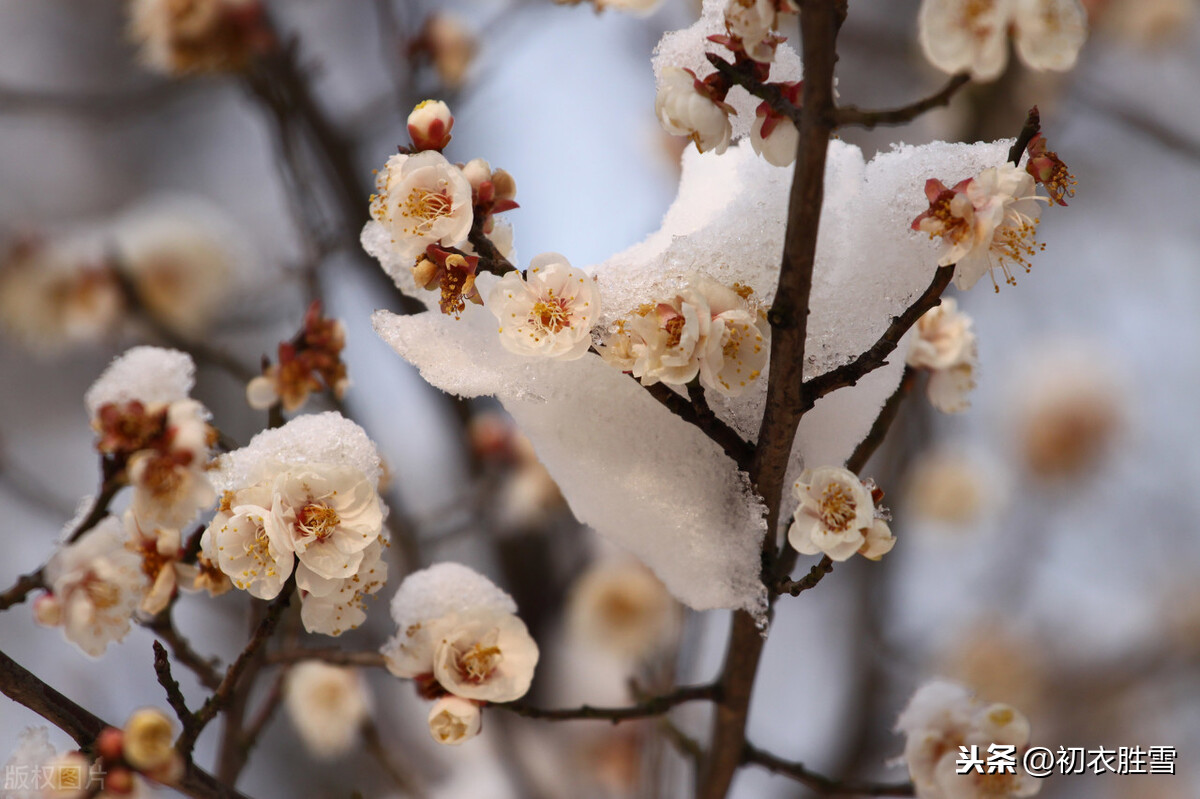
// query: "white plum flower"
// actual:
[[941, 717], [426, 596], [328, 515], [775, 139], [58, 296], [965, 35], [327, 705], [972, 35], [549, 312], [485, 655], [97, 583], [735, 349], [945, 345], [195, 36], [1049, 33], [624, 609], [161, 551], [836, 516], [454, 720], [339, 605], [986, 223], [668, 338], [751, 22], [422, 199], [686, 107], [429, 125], [182, 257], [247, 545], [169, 481]]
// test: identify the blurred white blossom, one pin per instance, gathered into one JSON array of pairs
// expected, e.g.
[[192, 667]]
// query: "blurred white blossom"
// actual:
[[327, 705]]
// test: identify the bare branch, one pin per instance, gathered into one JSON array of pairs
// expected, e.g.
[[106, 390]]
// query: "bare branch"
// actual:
[[796, 587], [851, 115], [655, 706], [816, 782], [336, 657], [1033, 126], [204, 668]]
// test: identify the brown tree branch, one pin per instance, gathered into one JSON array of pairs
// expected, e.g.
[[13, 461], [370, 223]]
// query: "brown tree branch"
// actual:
[[852, 115], [819, 22], [742, 74], [819, 784], [796, 587], [654, 706], [25, 688], [1031, 128], [204, 668], [336, 657], [162, 669], [225, 690], [490, 258], [849, 374]]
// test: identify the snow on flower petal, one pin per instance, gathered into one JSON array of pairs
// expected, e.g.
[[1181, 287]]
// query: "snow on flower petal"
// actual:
[[548, 312]]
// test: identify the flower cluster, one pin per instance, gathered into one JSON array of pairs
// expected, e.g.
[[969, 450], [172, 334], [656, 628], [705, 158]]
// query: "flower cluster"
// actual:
[[309, 362], [972, 35], [198, 35], [714, 332], [945, 345], [428, 208], [688, 105], [461, 642], [985, 223], [941, 717], [321, 521], [547, 312], [170, 261], [838, 515]]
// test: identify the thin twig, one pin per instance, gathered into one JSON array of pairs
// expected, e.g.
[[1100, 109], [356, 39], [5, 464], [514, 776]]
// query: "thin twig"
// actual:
[[743, 75], [849, 374], [24, 585], [204, 668], [818, 783], [490, 258], [796, 587], [24, 687], [162, 669], [336, 657], [722, 434], [1031, 128], [224, 692], [852, 115], [655, 706]]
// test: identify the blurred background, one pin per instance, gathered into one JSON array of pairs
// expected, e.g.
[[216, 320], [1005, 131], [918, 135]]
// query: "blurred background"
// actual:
[[1047, 537]]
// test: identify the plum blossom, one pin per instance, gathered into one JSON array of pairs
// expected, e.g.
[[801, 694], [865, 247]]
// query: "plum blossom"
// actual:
[[687, 106], [750, 22], [1049, 33], [941, 717], [148, 744], [485, 655], [548, 312], [706, 330], [95, 585], [327, 705], [161, 552], [454, 720], [945, 345], [972, 35], [449, 45], [986, 223], [312, 360], [331, 607], [55, 296], [169, 481], [621, 607], [422, 199], [243, 541], [429, 125], [837, 516], [774, 137], [328, 515], [197, 35]]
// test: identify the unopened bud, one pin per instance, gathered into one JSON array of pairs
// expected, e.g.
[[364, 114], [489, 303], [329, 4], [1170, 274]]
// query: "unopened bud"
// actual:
[[148, 740], [429, 125], [424, 272], [47, 610], [505, 186], [477, 172]]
